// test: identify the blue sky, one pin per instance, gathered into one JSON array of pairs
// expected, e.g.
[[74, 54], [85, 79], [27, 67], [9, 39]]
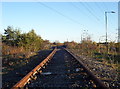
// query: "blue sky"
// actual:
[[62, 20]]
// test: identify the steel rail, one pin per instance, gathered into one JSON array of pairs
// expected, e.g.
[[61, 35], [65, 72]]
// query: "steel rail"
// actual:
[[32, 73], [95, 79]]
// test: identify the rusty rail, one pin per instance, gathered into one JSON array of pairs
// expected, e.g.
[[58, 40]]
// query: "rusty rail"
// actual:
[[32, 73], [96, 80]]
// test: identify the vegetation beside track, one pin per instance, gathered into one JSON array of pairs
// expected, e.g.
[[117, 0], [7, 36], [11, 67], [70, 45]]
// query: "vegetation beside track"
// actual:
[[97, 51], [106, 66], [18, 47]]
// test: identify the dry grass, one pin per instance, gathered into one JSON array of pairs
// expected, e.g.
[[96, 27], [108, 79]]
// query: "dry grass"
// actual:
[[10, 50]]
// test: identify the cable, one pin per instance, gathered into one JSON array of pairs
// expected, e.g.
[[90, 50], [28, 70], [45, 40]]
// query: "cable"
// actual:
[[78, 8], [69, 18], [97, 5], [93, 15], [93, 10], [89, 11]]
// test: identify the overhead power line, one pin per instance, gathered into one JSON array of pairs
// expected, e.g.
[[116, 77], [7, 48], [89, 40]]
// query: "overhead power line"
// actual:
[[89, 11], [56, 11], [79, 9], [99, 7], [88, 8]]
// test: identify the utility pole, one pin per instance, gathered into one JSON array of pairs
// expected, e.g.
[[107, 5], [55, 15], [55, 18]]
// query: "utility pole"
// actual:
[[106, 28]]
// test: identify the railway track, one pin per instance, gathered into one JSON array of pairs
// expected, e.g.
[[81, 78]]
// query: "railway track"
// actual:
[[60, 69]]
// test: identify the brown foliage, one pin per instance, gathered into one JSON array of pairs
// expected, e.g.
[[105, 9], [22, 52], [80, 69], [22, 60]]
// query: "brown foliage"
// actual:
[[10, 50]]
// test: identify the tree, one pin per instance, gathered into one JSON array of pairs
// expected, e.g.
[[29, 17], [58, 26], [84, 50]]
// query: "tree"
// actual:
[[29, 41], [11, 36]]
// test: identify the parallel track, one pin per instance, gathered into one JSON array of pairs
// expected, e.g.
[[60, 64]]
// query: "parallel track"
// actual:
[[60, 69]]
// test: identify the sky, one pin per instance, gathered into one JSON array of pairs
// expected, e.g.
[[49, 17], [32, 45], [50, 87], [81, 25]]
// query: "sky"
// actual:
[[62, 21]]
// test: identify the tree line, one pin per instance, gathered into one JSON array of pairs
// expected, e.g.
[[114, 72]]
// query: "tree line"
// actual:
[[14, 39]]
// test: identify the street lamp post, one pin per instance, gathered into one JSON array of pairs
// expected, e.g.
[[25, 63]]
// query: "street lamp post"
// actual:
[[107, 28]]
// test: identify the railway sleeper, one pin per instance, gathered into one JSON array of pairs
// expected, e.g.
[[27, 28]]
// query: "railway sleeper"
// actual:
[[33, 77]]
